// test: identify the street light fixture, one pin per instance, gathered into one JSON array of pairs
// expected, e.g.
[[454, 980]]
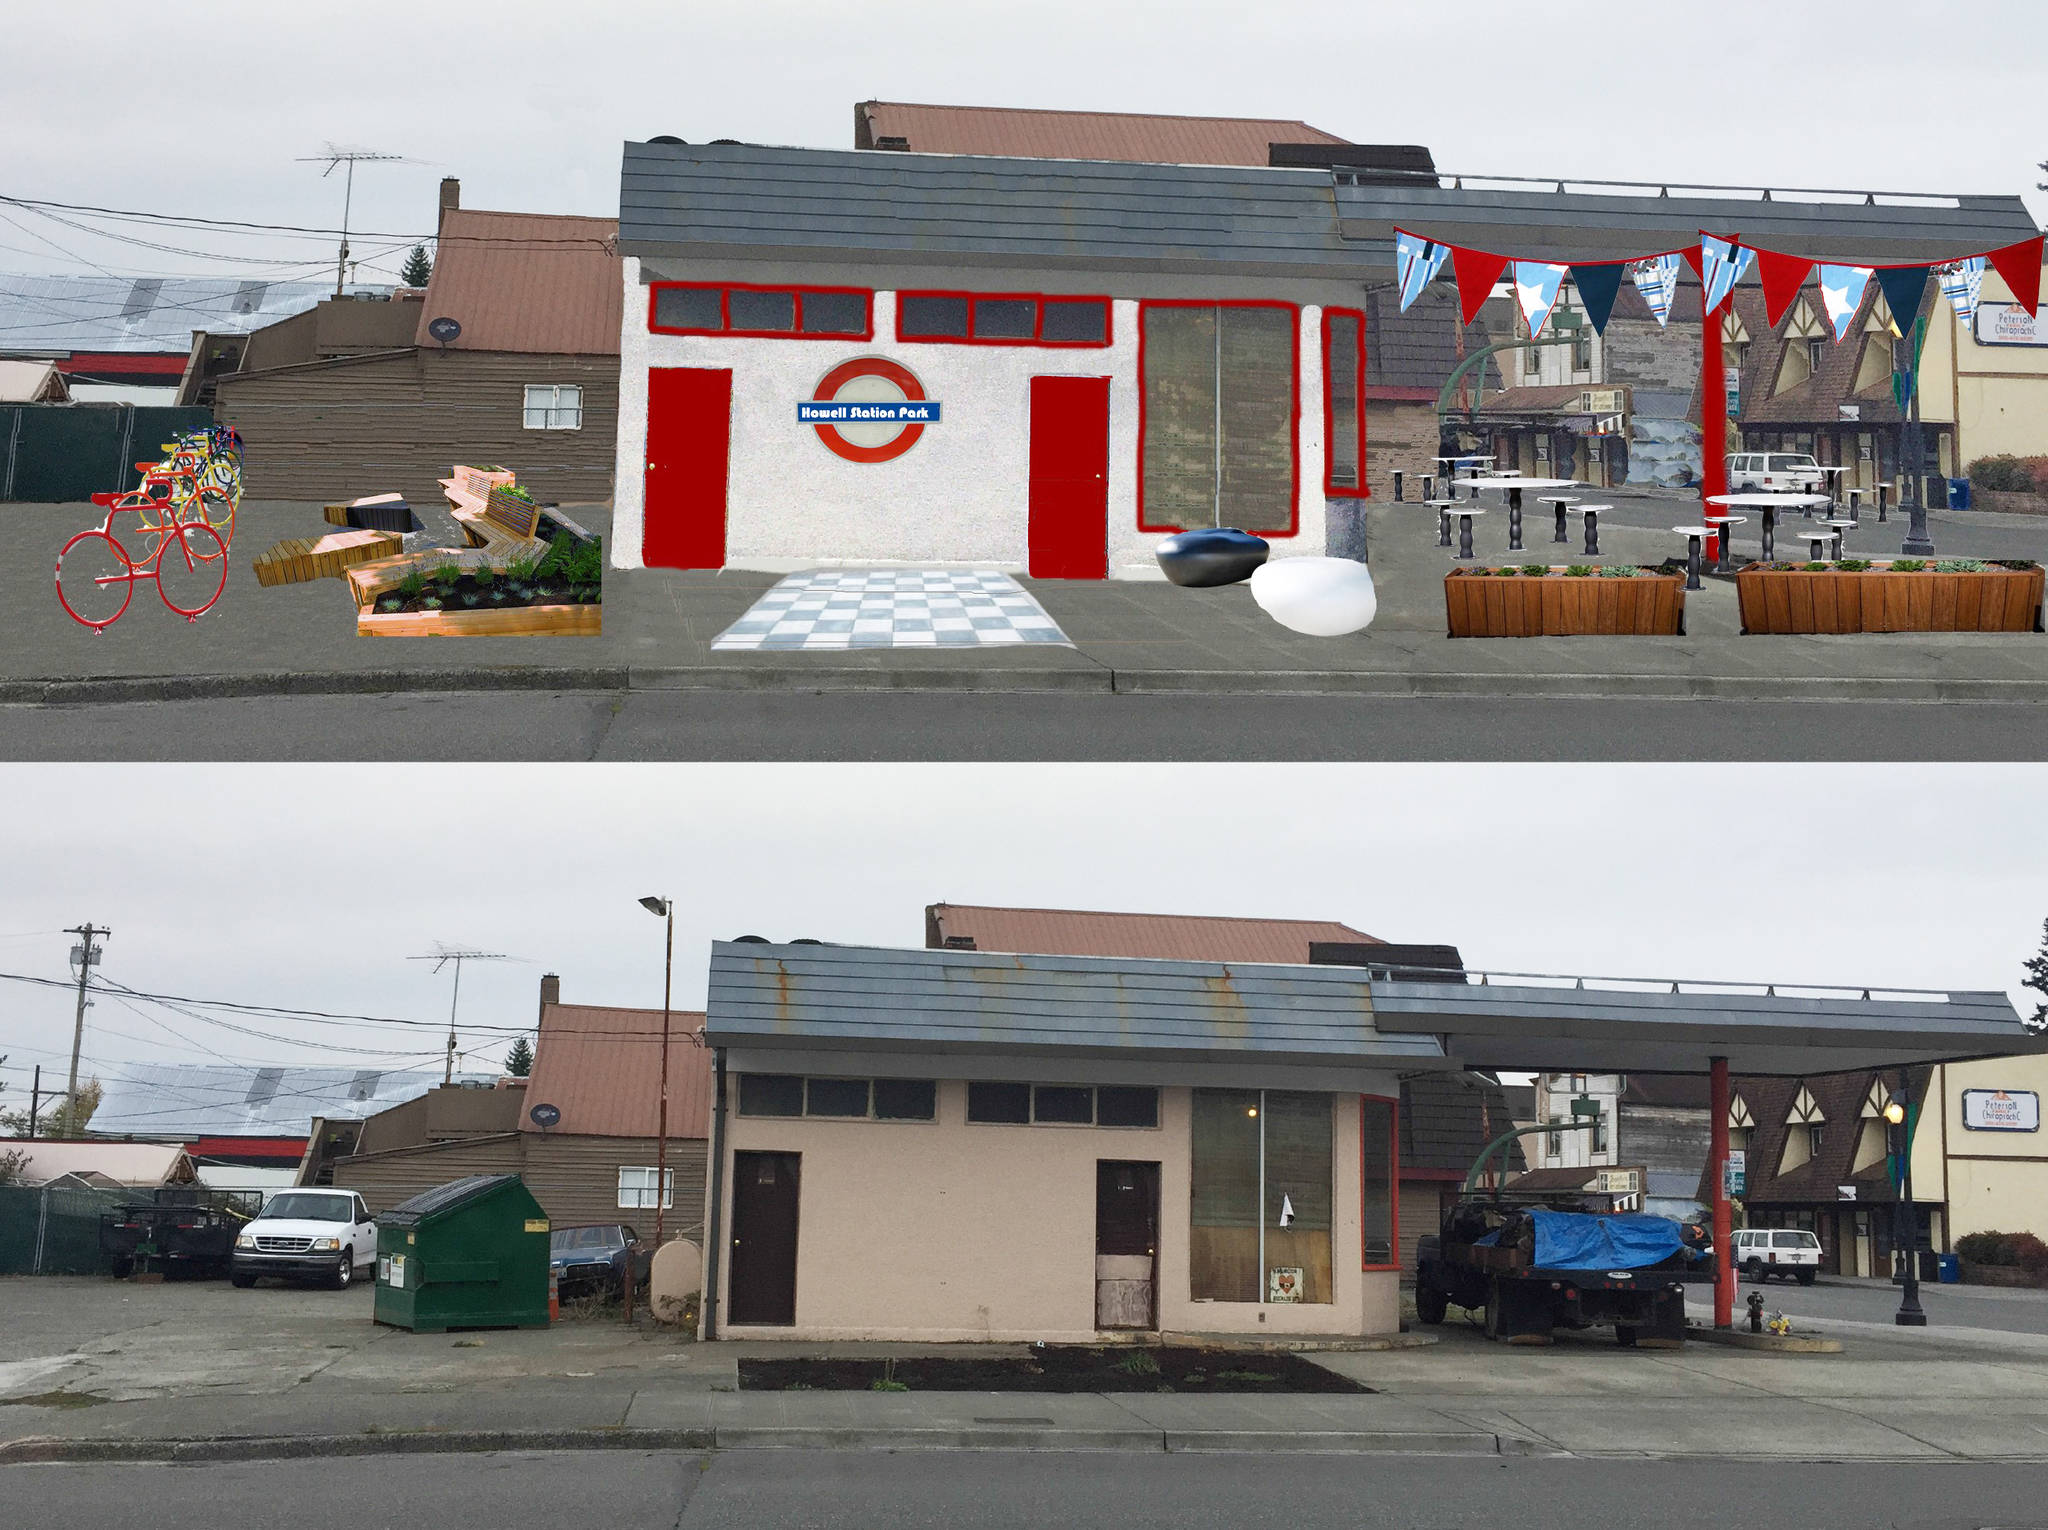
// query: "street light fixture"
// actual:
[[1905, 1224], [663, 908]]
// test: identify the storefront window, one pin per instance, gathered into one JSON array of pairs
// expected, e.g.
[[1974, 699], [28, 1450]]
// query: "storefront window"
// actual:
[[1261, 1196], [1344, 401], [1217, 443]]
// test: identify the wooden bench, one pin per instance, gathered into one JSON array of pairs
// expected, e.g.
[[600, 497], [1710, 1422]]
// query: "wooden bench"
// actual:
[[299, 559]]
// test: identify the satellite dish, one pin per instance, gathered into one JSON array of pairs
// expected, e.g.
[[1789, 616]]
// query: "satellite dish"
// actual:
[[444, 330], [545, 1116]]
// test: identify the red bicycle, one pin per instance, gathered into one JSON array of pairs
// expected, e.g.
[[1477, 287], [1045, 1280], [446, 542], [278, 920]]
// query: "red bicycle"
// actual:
[[180, 550]]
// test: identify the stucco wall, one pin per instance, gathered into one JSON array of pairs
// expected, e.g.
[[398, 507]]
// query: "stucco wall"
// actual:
[[960, 495], [944, 1230]]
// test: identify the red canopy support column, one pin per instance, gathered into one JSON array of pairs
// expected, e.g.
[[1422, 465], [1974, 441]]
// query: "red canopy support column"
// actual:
[[1724, 1218], [1713, 418]]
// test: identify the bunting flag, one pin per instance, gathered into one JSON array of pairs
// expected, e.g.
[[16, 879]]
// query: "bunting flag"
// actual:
[[1960, 282], [1417, 261], [1657, 280], [1841, 292], [1723, 263], [1782, 277], [2020, 265], [1536, 284], [1903, 287], [1599, 285], [1477, 271]]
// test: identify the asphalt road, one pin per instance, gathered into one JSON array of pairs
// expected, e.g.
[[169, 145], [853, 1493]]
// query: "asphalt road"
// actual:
[[712, 725], [992, 1490], [1981, 1307]]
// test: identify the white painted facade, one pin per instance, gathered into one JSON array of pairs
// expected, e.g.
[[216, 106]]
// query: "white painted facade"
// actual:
[[1579, 1149], [960, 495]]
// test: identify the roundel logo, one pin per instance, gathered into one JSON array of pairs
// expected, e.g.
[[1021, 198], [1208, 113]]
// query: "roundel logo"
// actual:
[[869, 380]]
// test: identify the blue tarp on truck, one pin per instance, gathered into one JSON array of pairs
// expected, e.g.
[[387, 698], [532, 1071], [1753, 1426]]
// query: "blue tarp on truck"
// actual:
[[1573, 1240]]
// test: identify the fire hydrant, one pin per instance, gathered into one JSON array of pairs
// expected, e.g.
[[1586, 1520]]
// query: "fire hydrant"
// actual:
[[1756, 1312]]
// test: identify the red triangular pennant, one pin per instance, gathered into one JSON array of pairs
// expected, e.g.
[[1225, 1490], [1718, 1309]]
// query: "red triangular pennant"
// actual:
[[2020, 265], [1782, 277], [1696, 260], [1477, 272]]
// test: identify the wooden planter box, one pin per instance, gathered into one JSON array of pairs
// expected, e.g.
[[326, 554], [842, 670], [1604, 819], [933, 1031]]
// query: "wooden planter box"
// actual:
[[1883, 599], [521, 621], [1478, 603]]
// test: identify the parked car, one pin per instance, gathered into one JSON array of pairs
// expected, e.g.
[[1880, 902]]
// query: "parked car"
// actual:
[[307, 1235], [1761, 1252], [1775, 473], [593, 1259]]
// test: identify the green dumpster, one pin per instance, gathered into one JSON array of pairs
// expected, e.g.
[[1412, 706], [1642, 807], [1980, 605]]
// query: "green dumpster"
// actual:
[[472, 1253]]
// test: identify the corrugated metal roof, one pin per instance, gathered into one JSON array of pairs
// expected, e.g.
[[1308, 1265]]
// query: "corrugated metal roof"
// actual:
[[969, 1001], [533, 282], [125, 1163], [601, 1068], [124, 313], [1177, 937], [200, 1100], [1038, 134]]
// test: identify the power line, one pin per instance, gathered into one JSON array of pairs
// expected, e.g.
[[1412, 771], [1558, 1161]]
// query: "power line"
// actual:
[[237, 224]]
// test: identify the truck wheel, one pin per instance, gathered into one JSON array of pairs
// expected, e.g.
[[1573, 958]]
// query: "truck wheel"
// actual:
[[1625, 1335], [1756, 1272], [344, 1272], [121, 1269], [1806, 1277], [240, 1281], [1430, 1304], [1493, 1309]]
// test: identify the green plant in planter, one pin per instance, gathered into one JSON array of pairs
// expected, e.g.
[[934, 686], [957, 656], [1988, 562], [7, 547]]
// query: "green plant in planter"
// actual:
[[390, 603], [446, 574], [430, 603], [1139, 1362], [1574, 571], [1853, 565], [1959, 566], [1501, 573], [470, 600], [484, 575], [2017, 565], [414, 583], [1535, 570], [521, 570], [1908, 565], [497, 597], [514, 491], [1619, 571], [1815, 568]]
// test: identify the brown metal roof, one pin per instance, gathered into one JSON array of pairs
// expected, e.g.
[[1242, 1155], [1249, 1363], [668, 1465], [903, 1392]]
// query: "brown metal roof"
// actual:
[[538, 283], [1033, 134], [1168, 937], [602, 1069]]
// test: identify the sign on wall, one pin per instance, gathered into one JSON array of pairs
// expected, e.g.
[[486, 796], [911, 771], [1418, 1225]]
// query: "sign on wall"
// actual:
[[2010, 324], [2001, 1110], [1734, 1173], [869, 409]]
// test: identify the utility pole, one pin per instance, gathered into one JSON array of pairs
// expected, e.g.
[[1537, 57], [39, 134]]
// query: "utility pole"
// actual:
[[87, 956], [35, 1098], [440, 959], [348, 157]]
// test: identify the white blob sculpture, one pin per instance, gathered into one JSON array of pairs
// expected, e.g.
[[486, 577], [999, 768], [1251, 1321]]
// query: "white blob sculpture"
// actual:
[[1321, 597]]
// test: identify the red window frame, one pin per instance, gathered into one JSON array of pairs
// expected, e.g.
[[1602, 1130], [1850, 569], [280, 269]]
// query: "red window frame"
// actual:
[[655, 289], [1332, 489], [1037, 322], [1293, 527], [1393, 1104]]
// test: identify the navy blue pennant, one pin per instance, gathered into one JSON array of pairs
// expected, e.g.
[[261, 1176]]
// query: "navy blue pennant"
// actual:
[[1598, 286], [1903, 287]]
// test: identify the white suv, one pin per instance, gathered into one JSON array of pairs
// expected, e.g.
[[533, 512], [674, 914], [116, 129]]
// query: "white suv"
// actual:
[[1774, 473], [323, 1235], [1761, 1252]]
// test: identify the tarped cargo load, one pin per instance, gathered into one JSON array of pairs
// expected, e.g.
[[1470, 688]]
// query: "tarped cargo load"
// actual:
[[1578, 1241]]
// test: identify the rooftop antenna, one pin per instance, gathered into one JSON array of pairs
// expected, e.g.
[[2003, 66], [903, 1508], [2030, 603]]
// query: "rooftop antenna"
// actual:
[[442, 955], [340, 156]]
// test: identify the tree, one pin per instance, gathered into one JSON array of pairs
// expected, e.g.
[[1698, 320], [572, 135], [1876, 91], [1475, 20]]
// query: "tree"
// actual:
[[2037, 979], [68, 1116], [418, 267], [519, 1061]]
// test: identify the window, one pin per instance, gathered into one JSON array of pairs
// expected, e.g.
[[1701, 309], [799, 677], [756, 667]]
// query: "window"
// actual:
[[1217, 416], [1600, 1134], [999, 1104], [1379, 1172], [835, 1097], [1260, 1203], [905, 1099], [1814, 1137], [554, 406], [1532, 363], [636, 1188], [1006, 318], [771, 1094], [1556, 1137], [1582, 351], [1126, 1107], [1344, 403], [1062, 1105], [814, 313]]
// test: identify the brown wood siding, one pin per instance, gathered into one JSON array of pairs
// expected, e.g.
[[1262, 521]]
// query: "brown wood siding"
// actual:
[[329, 433], [576, 1179]]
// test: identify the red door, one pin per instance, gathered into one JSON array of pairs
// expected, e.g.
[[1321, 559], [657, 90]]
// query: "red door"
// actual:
[[1069, 535], [689, 429]]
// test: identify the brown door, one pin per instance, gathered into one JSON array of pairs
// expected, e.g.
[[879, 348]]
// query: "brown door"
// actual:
[[1126, 1245], [764, 1207]]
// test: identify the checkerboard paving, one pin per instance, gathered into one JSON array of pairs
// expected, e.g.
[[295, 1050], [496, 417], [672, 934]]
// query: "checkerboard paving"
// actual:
[[829, 609]]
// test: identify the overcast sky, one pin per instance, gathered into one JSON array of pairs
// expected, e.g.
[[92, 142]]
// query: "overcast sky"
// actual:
[[309, 886], [114, 103]]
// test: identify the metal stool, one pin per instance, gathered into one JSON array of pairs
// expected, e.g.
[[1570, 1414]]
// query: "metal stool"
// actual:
[[1465, 514], [1592, 515], [1882, 490], [1560, 503], [1842, 530], [1820, 542], [1397, 486], [1694, 537], [1726, 525], [1443, 509], [1428, 486]]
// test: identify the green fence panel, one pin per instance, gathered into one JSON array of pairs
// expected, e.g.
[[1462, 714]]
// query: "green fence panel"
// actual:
[[66, 453], [51, 1232]]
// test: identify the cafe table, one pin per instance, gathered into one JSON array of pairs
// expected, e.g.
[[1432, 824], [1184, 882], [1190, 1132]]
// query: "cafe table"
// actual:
[[1514, 487], [1770, 505]]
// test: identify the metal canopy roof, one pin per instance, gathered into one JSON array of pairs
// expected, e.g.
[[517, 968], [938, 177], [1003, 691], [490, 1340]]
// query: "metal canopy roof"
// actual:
[[1625, 1026], [818, 997]]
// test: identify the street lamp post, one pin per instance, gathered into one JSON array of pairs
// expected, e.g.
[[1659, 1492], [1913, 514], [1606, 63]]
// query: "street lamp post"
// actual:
[[1918, 541], [1905, 1224], [666, 908]]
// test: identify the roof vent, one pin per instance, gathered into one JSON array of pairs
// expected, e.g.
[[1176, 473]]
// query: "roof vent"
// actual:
[[668, 138], [961, 943], [892, 141], [731, 143], [751, 940], [805, 940]]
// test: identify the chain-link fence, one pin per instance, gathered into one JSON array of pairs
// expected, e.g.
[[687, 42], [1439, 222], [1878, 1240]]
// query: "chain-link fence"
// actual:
[[51, 1231]]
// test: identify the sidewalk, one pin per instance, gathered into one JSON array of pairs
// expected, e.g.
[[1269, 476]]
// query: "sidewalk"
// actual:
[[1129, 636]]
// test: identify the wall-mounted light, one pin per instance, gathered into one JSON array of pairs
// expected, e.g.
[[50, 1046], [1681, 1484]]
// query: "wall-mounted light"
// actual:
[[1894, 1112]]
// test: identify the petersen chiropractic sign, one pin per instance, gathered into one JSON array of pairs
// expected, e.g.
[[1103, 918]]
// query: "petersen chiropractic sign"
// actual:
[[2001, 1110]]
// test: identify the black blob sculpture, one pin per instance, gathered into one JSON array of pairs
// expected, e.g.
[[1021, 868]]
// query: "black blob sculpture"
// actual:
[[1223, 555]]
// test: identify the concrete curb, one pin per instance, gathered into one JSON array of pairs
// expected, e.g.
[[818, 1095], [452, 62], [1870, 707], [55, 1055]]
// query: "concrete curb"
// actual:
[[394, 1443], [1769, 1343], [89, 690]]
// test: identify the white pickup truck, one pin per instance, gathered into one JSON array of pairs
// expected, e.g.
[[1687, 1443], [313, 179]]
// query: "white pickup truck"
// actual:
[[317, 1235]]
